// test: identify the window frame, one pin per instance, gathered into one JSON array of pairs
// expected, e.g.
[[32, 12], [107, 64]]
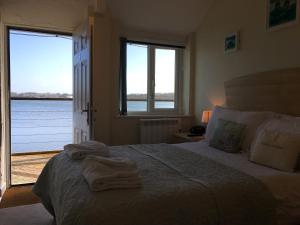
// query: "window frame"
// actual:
[[151, 110]]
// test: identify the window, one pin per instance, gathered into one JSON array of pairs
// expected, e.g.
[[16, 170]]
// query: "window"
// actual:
[[150, 77]]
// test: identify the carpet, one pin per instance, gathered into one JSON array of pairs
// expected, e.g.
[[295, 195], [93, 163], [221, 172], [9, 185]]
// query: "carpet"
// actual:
[[17, 196], [34, 214]]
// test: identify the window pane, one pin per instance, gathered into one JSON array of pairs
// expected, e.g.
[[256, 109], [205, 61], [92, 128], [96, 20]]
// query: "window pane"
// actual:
[[137, 67], [164, 79]]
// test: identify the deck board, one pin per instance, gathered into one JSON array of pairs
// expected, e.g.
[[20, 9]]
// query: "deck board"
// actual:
[[26, 168]]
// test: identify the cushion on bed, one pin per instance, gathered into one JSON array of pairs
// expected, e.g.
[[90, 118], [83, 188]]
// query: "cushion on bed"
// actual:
[[292, 124], [228, 136], [252, 120], [277, 145], [219, 113], [288, 117], [276, 150], [286, 124]]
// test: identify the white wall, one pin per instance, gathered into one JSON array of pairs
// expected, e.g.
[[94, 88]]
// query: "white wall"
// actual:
[[101, 86], [125, 130], [109, 127], [63, 15], [260, 50]]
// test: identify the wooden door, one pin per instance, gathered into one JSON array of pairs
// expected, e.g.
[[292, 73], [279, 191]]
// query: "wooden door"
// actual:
[[82, 83]]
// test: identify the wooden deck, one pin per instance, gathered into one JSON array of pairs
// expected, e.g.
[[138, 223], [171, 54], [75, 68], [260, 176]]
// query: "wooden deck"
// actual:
[[25, 168]]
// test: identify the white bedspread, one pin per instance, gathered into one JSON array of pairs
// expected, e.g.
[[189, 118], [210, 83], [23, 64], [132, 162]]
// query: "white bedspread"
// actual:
[[179, 187], [284, 186]]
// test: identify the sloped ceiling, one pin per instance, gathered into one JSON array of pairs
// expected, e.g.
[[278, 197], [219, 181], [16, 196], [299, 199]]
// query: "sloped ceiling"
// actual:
[[172, 16], [57, 14]]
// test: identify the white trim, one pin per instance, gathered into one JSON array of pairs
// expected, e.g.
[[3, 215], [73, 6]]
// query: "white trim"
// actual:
[[151, 110], [5, 94], [161, 112], [176, 96], [5, 152], [2, 190], [152, 116]]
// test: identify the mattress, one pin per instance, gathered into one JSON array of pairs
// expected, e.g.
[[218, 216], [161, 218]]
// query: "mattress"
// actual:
[[284, 186], [179, 187]]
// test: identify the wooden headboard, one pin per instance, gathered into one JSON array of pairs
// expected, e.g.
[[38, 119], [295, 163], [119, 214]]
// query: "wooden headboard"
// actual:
[[277, 91]]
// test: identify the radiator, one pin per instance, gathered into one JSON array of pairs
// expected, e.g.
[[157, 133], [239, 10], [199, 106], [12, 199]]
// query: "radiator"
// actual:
[[153, 131]]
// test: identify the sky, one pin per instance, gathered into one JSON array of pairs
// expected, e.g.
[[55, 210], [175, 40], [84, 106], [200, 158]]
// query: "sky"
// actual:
[[137, 70], [40, 64], [44, 64]]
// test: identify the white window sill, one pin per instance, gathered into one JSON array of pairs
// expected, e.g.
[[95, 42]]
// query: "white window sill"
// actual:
[[136, 116]]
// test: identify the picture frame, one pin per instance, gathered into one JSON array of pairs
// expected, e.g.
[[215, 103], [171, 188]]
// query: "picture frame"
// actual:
[[282, 14], [232, 42]]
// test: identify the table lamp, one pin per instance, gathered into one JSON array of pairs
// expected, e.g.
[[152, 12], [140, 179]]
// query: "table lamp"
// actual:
[[206, 115]]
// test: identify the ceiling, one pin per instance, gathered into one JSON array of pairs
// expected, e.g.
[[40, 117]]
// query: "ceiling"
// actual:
[[56, 14], [171, 16]]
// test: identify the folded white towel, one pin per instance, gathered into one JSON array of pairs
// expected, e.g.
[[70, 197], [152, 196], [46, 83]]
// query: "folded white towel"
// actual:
[[110, 173], [95, 145], [114, 163], [80, 151], [94, 169]]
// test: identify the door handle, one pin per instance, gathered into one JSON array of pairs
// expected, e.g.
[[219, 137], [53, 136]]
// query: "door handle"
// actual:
[[87, 110]]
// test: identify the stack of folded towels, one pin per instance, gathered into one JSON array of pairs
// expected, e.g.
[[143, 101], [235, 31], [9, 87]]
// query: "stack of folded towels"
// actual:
[[110, 173], [80, 151]]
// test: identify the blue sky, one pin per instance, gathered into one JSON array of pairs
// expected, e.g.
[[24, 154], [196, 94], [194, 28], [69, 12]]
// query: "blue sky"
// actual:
[[137, 70], [44, 64], [40, 64]]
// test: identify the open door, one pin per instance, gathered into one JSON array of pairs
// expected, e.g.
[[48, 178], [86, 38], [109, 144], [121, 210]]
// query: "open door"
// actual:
[[82, 83]]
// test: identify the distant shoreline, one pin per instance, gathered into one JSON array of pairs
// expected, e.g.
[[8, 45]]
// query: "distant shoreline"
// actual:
[[50, 99], [160, 97], [71, 99], [144, 100]]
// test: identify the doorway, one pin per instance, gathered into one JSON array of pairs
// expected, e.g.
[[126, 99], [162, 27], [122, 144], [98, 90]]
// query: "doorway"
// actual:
[[41, 99]]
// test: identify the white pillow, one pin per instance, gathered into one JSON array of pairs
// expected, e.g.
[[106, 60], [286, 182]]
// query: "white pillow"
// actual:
[[285, 116], [286, 124], [277, 145], [251, 119]]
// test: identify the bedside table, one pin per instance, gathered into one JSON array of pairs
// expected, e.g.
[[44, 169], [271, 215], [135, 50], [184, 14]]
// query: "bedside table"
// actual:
[[184, 137]]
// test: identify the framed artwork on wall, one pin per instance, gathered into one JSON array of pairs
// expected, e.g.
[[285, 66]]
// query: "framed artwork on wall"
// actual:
[[282, 13], [231, 43]]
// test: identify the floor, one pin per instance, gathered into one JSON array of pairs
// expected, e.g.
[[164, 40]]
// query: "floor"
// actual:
[[17, 196], [26, 168], [19, 200], [34, 214]]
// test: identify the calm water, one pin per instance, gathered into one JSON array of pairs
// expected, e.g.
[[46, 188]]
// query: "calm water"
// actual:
[[140, 106], [41, 125]]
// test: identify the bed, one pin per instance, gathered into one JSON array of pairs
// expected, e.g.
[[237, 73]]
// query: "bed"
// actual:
[[188, 183], [285, 187]]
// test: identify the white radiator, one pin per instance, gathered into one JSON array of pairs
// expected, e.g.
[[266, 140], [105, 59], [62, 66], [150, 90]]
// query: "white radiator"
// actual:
[[153, 131]]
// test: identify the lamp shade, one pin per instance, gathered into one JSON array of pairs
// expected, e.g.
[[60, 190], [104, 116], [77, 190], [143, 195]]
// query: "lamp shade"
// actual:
[[206, 116]]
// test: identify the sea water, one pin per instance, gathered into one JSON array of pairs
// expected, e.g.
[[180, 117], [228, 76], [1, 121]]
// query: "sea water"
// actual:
[[47, 125], [40, 125]]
